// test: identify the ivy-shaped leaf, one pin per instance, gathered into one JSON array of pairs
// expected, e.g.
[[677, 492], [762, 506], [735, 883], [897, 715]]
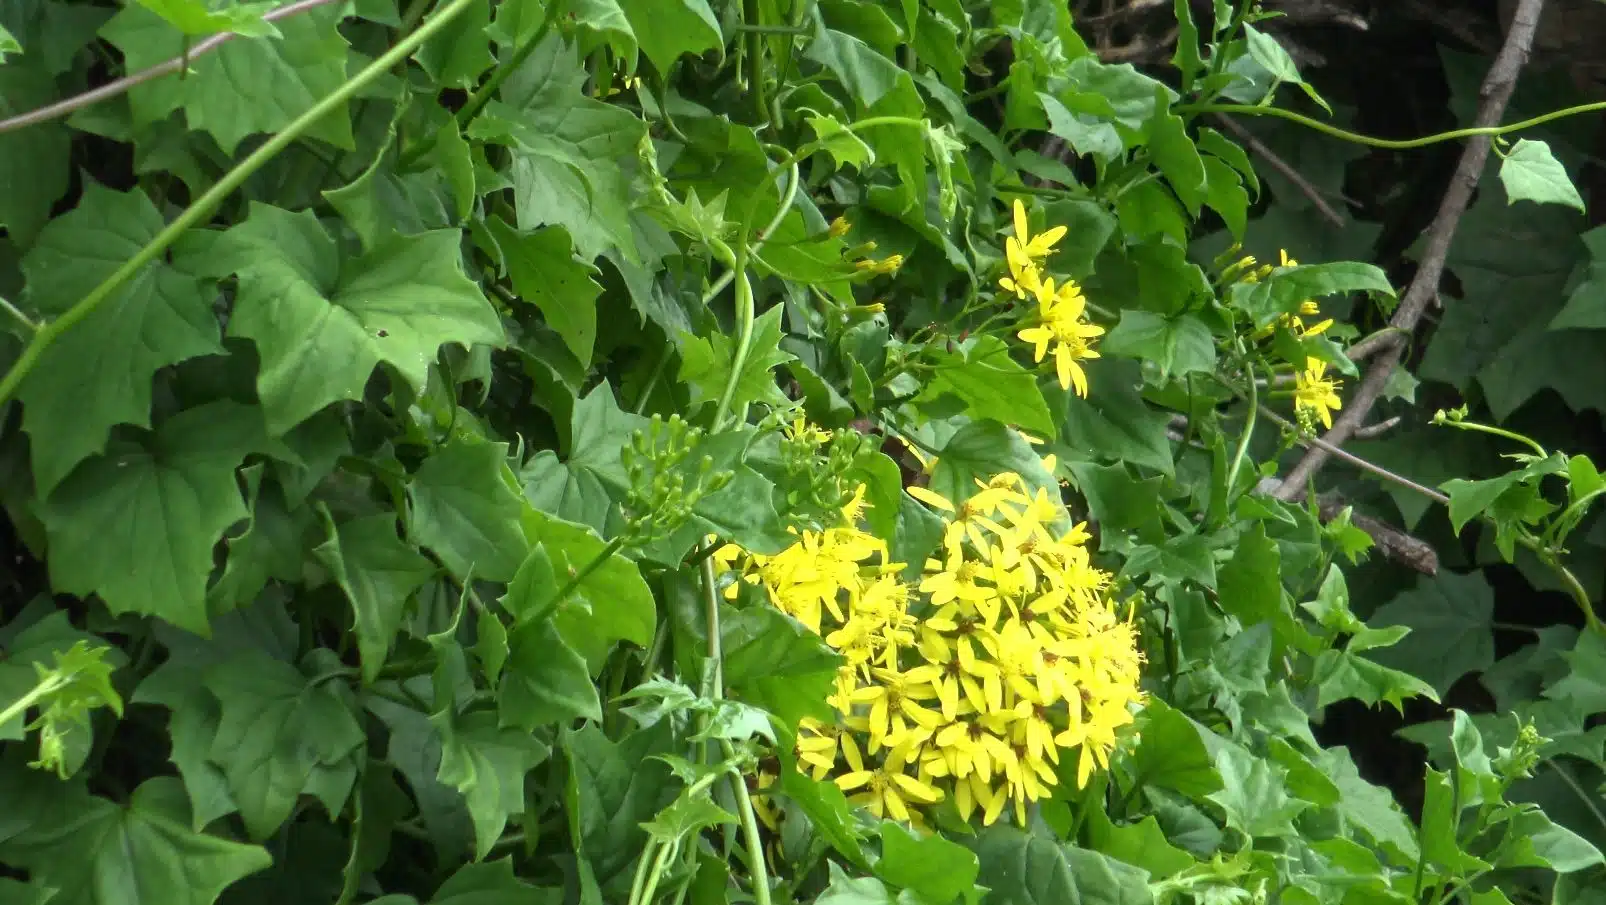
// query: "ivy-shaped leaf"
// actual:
[[95, 852], [378, 572], [462, 507], [137, 526], [100, 370], [487, 764], [705, 364], [321, 323]]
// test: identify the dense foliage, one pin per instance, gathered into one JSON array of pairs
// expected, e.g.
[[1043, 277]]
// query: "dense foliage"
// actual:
[[644, 451]]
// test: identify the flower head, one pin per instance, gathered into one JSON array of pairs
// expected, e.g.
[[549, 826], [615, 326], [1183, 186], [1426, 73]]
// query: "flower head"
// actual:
[[1018, 660], [1315, 394], [1060, 326]]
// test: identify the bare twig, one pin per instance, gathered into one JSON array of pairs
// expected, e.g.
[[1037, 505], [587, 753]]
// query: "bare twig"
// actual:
[[1498, 86], [112, 89], [1374, 343], [1282, 166], [1373, 431], [1317, 443]]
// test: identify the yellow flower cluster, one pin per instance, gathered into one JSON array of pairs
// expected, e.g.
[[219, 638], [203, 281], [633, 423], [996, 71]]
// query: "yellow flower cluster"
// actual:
[[1315, 394], [967, 686], [1061, 310]]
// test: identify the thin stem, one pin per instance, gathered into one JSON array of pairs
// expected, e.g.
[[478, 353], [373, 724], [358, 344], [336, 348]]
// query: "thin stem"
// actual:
[[167, 67], [603, 555], [482, 95], [1389, 143], [725, 279], [39, 692], [1249, 428], [22, 319], [1496, 431], [757, 870], [711, 620], [203, 206], [773, 30]]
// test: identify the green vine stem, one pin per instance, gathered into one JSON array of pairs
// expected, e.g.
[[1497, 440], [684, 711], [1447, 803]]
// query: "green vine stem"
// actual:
[[1392, 144], [202, 207]]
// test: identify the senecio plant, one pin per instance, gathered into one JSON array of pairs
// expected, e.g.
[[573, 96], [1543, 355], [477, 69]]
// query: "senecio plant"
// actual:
[[689, 452]]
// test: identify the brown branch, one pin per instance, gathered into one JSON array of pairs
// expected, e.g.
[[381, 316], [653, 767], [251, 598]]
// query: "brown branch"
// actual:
[[1284, 167], [1411, 552], [1372, 431], [112, 89], [1498, 86]]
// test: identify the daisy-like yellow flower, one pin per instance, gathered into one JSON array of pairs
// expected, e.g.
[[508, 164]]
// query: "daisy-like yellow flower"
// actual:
[[1019, 661], [1061, 325], [1315, 394], [1023, 251]]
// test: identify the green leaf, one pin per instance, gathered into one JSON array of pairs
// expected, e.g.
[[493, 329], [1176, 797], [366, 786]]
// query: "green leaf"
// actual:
[[36, 161], [1530, 173], [1250, 585], [458, 54], [320, 324], [1184, 556], [1537, 841], [1584, 685], [846, 890], [1175, 154], [667, 29], [867, 75], [487, 764], [1253, 795], [705, 365], [8, 44], [991, 384], [1019, 868], [938, 870], [687, 816], [1172, 755], [546, 273], [1142, 844], [1177, 346], [1289, 287], [614, 602], [1114, 423], [1369, 807], [613, 788], [848, 148], [1451, 621], [1586, 304], [94, 852], [982, 449], [774, 662], [379, 573], [137, 526], [828, 810], [1340, 675], [571, 152], [101, 370], [461, 506], [246, 87], [544, 680], [277, 730], [489, 883], [195, 18]]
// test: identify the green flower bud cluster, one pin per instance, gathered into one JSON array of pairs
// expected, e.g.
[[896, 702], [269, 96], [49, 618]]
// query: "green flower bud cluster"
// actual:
[[817, 463], [665, 484]]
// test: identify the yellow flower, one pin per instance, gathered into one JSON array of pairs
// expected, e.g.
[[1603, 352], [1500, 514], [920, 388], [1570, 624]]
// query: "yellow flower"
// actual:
[[887, 790], [839, 227], [1020, 653], [1315, 395], [1060, 324], [1022, 252]]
